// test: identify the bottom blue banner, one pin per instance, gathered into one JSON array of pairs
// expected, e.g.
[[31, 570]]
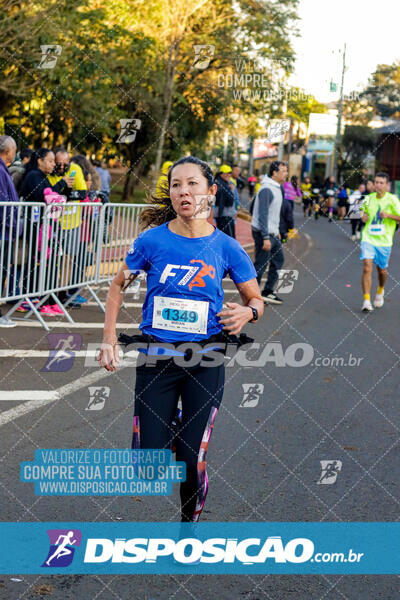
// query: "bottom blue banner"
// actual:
[[203, 548]]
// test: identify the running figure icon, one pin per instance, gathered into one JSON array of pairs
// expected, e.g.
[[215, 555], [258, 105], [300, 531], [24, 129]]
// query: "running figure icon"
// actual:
[[62, 549], [62, 354]]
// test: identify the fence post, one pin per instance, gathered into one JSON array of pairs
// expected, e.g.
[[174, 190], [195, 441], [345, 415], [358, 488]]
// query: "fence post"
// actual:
[[43, 248], [100, 236]]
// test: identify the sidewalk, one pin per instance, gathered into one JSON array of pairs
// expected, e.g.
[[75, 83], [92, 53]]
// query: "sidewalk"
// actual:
[[243, 233]]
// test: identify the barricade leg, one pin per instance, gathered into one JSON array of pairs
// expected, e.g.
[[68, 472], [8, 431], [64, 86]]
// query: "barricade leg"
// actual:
[[37, 314], [40, 303], [66, 314], [96, 298]]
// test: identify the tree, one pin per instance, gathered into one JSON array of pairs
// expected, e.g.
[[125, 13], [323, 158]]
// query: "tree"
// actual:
[[300, 105], [357, 142], [383, 90], [125, 59]]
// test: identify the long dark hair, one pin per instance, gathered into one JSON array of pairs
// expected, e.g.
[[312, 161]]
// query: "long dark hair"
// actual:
[[294, 182], [162, 210], [33, 161]]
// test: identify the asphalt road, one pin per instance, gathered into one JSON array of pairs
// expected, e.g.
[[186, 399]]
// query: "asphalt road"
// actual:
[[264, 460]]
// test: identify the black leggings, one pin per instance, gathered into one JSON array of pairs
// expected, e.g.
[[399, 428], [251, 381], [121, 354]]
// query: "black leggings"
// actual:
[[356, 225], [157, 392]]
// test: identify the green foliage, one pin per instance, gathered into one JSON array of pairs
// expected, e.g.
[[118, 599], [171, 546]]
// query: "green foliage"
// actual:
[[357, 142], [135, 59], [383, 90]]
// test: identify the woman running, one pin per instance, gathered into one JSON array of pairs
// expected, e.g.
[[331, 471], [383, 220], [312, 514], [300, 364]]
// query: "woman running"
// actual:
[[186, 259]]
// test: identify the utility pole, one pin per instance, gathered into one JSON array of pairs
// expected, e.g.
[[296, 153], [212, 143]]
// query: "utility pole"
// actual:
[[226, 140], [284, 112], [339, 119], [251, 159]]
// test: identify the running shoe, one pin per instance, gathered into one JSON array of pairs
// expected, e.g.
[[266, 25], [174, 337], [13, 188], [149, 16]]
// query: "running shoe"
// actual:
[[379, 300], [353, 238], [6, 322], [23, 308], [271, 298], [48, 310], [358, 235], [56, 309], [367, 306], [78, 299]]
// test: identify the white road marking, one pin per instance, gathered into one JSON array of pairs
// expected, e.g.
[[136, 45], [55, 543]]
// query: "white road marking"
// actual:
[[25, 395], [31, 405], [127, 304], [66, 325], [19, 353]]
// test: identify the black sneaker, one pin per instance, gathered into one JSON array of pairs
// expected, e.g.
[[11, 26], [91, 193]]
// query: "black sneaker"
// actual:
[[271, 298]]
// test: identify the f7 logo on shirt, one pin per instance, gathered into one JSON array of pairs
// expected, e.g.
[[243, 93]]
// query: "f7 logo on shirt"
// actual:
[[191, 272]]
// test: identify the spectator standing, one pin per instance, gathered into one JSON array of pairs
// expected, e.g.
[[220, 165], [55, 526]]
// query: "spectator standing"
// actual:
[[240, 182], [71, 168], [8, 221], [162, 181], [265, 229], [291, 193], [36, 180], [292, 190], [18, 168], [86, 165], [251, 181], [105, 180], [225, 210]]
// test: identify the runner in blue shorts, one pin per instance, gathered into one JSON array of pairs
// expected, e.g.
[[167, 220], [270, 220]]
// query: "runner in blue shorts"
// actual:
[[381, 211], [185, 259]]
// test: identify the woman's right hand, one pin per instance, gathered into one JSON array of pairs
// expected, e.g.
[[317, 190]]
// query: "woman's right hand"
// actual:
[[109, 355]]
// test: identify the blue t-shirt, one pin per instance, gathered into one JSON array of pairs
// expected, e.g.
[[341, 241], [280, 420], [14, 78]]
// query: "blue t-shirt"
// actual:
[[189, 268]]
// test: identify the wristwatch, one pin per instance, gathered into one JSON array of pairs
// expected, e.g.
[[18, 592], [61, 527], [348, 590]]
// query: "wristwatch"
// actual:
[[255, 314]]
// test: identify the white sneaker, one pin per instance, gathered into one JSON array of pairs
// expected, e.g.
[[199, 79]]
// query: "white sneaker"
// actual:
[[353, 238], [358, 235], [378, 302], [6, 322], [367, 306]]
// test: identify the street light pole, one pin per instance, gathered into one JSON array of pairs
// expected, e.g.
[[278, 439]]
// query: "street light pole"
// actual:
[[339, 119], [226, 139]]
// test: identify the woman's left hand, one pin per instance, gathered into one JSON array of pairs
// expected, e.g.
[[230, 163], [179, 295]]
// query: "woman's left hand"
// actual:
[[235, 317]]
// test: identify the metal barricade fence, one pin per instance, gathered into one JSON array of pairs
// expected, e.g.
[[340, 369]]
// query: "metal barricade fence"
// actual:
[[121, 227], [57, 248], [20, 249]]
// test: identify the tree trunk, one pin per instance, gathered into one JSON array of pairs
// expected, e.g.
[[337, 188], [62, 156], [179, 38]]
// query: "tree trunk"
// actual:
[[168, 94], [127, 186], [129, 177]]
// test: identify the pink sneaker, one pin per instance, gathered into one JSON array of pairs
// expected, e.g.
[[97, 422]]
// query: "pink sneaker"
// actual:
[[48, 310], [57, 309]]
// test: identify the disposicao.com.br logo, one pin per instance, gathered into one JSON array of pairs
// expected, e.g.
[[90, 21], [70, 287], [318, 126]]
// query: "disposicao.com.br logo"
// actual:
[[208, 548], [189, 550]]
